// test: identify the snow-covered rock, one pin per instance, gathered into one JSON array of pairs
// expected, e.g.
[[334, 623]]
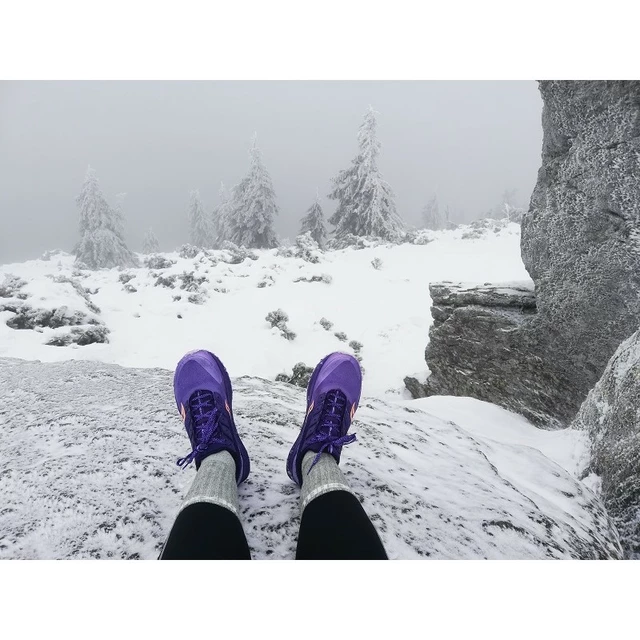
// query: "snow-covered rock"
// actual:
[[581, 235], [581, 246], [89, 471], [480, 346], [611, 416]]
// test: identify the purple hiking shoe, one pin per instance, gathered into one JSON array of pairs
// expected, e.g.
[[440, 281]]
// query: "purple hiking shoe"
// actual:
[[203, 394], [332, 399]]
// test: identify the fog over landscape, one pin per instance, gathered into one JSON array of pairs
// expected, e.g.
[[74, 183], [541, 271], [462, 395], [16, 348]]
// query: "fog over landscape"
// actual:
[[466, 142]]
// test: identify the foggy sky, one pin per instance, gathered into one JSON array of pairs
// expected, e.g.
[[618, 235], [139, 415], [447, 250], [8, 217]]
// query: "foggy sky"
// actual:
[[466, 142]]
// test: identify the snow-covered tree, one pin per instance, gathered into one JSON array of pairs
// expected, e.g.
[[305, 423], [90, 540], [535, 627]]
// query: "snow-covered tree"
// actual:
[[101, 229], [448, 223], [150, 243], [431, 216], [199, 223], [507, 201], [313, 223], [511, 213], [365, 201], [220, 224], [253, 206]]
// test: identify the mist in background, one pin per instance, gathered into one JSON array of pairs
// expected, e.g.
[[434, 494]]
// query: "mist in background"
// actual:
[[465, 142]]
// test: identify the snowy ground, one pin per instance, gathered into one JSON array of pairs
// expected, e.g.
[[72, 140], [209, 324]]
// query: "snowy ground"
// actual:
[[89, 449], [387, 310], [89, 471]]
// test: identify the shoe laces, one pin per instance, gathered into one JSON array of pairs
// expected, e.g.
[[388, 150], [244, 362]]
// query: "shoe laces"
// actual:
[[328, 432], [205, 416]]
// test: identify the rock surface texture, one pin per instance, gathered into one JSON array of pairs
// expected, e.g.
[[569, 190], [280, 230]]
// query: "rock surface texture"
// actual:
[[581, 245], [89, 471], [611, 414]]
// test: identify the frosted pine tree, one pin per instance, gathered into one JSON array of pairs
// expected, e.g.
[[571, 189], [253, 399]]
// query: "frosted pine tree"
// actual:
[[448, 223], [313, 223], [220, 223], [365, 201], [253, 207], [199, 224], [101, 228], [431, 216], [150, 243]]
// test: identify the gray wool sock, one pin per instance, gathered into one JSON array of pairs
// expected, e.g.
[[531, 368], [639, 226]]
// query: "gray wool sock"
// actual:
[[215, 482], [324, 477]]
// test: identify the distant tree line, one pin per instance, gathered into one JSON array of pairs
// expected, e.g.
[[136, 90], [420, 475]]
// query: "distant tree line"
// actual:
[[245, 215]]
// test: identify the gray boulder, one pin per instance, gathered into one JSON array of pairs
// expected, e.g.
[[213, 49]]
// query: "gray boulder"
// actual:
[[611, 415], [581, 246], [581, 235], [482, 345]]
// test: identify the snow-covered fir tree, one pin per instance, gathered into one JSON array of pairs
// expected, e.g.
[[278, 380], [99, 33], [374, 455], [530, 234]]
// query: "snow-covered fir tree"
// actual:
[[199, 223], [253, 207], [366, 204], [431, 216], [102, 243], [220, 223], [150, 242], [313, 223], [448, 223]]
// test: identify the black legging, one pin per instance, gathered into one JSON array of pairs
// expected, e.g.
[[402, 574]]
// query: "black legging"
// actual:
[[334, 526]]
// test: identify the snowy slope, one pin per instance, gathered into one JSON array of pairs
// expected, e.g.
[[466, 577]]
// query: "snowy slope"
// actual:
[[387, 310], [89, 471]]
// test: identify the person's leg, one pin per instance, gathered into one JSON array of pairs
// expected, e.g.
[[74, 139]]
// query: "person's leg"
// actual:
[[333, 526], [333, 523], [208, 525]]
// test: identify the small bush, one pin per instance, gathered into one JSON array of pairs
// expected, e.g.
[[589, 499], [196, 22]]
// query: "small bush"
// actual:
[[307, 248], [81, 337], [125, 277], [419, 236], [169, 282], [196, 298], [28, 318], [268, 281], [325, 324], [156, 261], [10, 286], [189, 251], [190, 282], [279, 319], [287, 334], [285, 252], [376, 263], [354, 242], [341, 335], [236, 254], [325, 277], [356, 346], [300, 377]]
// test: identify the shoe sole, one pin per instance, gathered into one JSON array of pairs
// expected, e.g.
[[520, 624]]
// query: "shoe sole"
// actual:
[[229, 391]]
